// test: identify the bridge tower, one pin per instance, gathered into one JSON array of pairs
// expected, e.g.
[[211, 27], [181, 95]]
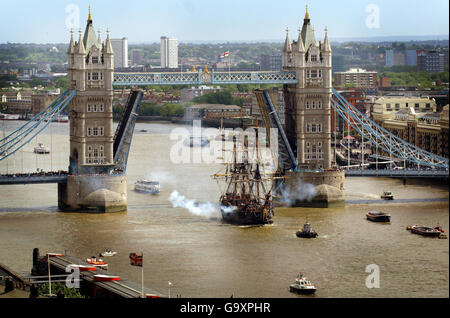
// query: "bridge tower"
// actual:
[[308, 111], [91, 186]]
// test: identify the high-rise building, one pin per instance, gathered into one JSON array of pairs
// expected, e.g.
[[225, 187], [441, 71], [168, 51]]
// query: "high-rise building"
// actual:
[[356, 77], [270, 62], [430, 61], [120, 48], [411, 57], [137, 57], [393, 57], [169, 52]]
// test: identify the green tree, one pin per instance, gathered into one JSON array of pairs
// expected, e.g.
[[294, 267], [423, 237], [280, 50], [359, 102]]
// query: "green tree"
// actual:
[[59, 287]]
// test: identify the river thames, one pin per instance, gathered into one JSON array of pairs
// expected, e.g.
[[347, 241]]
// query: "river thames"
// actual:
[[203, 257]]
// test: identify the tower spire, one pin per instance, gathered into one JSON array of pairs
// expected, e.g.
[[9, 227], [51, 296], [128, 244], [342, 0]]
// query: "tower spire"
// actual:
[[306, 13], [287, 43], [71, 44], [326, 42], [89, 16], [301, 47]]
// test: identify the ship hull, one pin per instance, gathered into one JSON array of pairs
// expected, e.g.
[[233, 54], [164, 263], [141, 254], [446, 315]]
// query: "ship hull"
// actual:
[[242, 218]]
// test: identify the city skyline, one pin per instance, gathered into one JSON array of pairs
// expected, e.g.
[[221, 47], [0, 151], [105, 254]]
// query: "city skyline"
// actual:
[[214, 21]]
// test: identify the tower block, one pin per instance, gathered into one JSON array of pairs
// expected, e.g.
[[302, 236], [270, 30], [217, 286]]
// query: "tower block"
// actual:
[[308, 116], [91, 187]]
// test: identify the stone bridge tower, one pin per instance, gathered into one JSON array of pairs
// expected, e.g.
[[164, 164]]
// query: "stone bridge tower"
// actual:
[[90, 185], [309, 101], [308, 113]]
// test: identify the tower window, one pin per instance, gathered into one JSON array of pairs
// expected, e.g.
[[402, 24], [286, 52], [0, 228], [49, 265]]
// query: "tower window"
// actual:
[[89, 108], [100, 108], [313, 58], [95, 60], [95, 76], [307, 105], [95, 108]]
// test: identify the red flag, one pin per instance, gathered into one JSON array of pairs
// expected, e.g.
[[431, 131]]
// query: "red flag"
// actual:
[[224, 54], [136, 259]]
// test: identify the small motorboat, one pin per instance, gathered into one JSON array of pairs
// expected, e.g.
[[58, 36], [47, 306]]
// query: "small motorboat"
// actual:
[[147, 186], [302, 286], [96, 262], [387, 195], [307, 232], [106, 278], [425, 231], [194, 141], [41, 149], [84, 268], [108, 253], [377, 216]]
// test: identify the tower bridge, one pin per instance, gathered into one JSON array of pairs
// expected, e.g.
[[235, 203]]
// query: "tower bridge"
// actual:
[[96, 177]]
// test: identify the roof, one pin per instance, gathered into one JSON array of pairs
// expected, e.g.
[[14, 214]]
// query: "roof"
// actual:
[[90, 38], [307, 34]]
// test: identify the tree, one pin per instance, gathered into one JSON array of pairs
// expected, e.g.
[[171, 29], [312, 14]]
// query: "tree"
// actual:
[[60, 288]]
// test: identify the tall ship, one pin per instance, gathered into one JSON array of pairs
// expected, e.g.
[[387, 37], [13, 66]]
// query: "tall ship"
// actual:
[[247, 197]]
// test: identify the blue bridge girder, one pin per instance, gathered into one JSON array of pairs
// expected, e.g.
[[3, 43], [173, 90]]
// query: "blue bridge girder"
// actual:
[[391, 173], [204, 78]]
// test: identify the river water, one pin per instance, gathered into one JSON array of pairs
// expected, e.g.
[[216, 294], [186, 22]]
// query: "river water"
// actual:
[[204, 257]]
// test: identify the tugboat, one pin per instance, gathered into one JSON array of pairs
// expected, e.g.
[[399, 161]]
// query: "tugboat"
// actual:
[[377, 216], [307, 232], [426, 231], [147, 186], [387, 195], [245, 201], [41, 149], [302, 286]]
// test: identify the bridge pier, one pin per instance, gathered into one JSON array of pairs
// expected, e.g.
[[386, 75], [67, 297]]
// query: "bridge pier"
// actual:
[[93, 194]]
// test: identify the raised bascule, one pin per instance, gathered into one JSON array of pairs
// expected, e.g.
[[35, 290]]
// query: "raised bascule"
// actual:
[[96, 178]]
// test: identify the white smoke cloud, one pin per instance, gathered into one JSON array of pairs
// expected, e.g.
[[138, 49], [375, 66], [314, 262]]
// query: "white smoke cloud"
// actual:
[[300, 191], [208, 209]]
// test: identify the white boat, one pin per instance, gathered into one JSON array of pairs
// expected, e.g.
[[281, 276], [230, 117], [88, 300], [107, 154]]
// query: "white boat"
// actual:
[[147, 186], [61, 119], [302, 285], [41, 149], [387, 195], [108, 253]]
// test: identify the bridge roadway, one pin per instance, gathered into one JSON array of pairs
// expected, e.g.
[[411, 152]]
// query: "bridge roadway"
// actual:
[[123, 288], [32, 178], [390, 173], [204, 77]]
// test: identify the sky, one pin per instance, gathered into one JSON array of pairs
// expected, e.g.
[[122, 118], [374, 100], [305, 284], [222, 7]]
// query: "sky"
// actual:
[[31, 21]]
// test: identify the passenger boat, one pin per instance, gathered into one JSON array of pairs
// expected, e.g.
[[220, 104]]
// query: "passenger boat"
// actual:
[[41, 149], [61, 119], [108, 253], [302, 286], [97, 262], [147, 186], [105, 278], [425, 231], [377, 216], [387, 195], [307, 232]]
